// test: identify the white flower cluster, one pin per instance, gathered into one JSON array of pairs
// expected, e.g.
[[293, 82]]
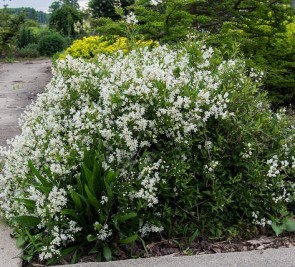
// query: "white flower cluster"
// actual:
[[257, 76], [131, 18], [132, 102], [211, 166], [262, 222], [104, 199], [247, 153], [150, 228], [282, 196], [156, 2], [104, 232], [60, 239], [149, 177], [276, 165], [273, 166]]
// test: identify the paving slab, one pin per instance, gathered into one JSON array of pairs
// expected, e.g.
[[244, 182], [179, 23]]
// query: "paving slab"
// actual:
[[20, 83], [283, 257], [9, 254]]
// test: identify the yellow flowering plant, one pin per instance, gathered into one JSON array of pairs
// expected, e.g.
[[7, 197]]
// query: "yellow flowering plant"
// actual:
[[89, 47]]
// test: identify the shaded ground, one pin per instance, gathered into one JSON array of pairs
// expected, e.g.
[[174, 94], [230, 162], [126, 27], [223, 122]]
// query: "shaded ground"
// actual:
[[20, 82]]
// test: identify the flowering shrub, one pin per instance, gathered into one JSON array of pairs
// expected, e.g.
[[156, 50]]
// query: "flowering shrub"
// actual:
[[171, 142], [93, 45]]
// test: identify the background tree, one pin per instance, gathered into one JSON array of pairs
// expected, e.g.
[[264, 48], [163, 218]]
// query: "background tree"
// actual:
[[64, 19], [59, 3], [211, 14], [54, 6], [169, 21], [265, 33], [9, 26], [105, 8]]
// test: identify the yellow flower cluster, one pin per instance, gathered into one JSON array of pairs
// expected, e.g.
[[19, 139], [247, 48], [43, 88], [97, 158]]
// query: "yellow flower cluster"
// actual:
[[88, 47]]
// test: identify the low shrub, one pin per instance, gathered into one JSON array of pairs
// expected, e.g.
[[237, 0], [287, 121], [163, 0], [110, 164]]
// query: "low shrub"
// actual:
[[25, 37], [168, 142], [89, 47], [29, 51], [51, 43]]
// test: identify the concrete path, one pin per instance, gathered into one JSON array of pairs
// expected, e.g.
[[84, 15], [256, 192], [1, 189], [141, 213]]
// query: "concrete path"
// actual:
[[283, 257], [19, 84]]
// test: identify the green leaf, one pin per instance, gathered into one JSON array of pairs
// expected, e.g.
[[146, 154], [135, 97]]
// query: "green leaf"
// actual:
[[128, 240], [86, 202], [98, 226], [27, 258], [91, 238], [44, 189], [80, 185], [70, 212], [77, 201], [69, 250], [20, 242], [193, 237], [92, 199], [89, 177], [28, 203], [109, 192], [107, 253], [27, 221], [111, 176], [289, 225], [127, 216], [75, 257], [38, 175], [276, 228]]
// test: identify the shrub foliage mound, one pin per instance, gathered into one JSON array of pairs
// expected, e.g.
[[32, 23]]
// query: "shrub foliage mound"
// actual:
[[89, 47], [170, 142]]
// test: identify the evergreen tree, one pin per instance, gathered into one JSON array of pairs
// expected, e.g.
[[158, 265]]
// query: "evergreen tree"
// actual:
[[105, 8], [64, 19]]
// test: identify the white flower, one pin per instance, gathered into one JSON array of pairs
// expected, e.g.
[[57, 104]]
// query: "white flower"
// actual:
[[104, 233], [131, 18], [148, 228], [104, 199], [155, 2]]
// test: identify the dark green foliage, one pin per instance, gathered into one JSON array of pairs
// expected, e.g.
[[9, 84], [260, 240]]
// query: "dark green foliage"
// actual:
[[59, 3], [25, 37], [9, 26], [64, 19], [51, 43], [169, 22], [107, 26], [105, 8], [211, 14], [29, 51], [259, 28], [30, 13], [266, 48], [55, 6]]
